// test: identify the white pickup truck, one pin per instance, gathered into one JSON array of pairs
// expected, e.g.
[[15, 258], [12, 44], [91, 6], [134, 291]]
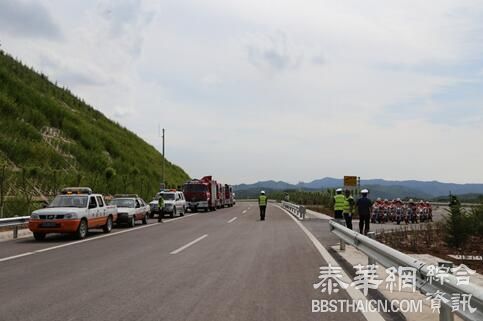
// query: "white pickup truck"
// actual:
[[75, 210]]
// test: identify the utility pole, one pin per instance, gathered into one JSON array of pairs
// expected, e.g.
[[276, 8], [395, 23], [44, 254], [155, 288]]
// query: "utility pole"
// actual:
[[164, 158]]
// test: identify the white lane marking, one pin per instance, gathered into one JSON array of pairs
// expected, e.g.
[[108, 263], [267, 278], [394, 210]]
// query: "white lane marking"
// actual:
[[189, 244], [91, 239], [244, 211], [353, 293], [16, 256], [232, 219]]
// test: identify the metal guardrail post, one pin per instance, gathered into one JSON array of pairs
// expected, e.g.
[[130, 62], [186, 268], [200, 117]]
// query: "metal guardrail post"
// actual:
[[296, 210], [371, 260], [342, 244], [302, 212], [15, 230], [445, 313], [14, 223]]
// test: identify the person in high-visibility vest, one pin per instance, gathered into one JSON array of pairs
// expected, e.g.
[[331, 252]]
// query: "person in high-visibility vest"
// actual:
[[262, 202], [160, 208], [348, 209], [339, 201]]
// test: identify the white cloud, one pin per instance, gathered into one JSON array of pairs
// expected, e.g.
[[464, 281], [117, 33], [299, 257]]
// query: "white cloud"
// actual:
[[281, 90], [29, 19]]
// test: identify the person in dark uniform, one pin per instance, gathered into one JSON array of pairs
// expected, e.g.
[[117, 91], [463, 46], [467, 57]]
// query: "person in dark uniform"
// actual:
[[262, 202], [348, 209], [364, 207]]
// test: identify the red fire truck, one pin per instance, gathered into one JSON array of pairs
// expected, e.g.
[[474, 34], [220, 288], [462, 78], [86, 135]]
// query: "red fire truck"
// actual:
[[201, 194], [229, 201]]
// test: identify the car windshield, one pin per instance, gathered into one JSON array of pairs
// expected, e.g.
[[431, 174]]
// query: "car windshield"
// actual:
[[168, 196], [69, 201], [123, 202]]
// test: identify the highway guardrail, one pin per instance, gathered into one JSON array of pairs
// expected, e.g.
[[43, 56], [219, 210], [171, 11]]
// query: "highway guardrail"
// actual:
[[297, 210], [14, 222], [253, 200], [446, 204], [389, 257]]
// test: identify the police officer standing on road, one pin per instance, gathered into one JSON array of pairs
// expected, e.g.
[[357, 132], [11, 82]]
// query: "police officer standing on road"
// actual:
[[160, 208], [339, 201], [348, 209], [364, 207], [262, 202]]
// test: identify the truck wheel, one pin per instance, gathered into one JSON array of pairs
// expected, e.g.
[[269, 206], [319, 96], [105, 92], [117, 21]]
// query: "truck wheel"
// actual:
[[132, 221], [82, 230], [173, 213], [39, 236], [108, 227], [145, 219]]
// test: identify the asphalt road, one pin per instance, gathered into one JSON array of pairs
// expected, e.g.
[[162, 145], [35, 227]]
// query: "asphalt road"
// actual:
[[224, 265]]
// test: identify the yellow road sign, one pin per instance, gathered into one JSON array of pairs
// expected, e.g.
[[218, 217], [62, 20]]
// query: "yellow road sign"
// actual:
[[350, 181]]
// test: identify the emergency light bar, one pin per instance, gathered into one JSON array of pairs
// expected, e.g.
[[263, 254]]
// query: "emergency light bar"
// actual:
[[76, 190], [126, 195]]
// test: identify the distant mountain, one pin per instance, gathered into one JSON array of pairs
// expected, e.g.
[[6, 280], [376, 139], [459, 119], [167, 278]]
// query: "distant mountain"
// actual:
[[326, 182], [269, 185], [379, 187], [433, 188]]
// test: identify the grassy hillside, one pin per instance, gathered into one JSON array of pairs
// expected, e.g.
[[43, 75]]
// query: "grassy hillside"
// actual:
[[49, 139]]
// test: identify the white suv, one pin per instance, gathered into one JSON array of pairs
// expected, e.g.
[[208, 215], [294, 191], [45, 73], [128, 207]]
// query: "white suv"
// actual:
[[174, 203]]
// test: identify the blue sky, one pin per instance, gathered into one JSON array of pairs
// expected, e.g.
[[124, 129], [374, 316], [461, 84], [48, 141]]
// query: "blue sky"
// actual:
[[285, 90]]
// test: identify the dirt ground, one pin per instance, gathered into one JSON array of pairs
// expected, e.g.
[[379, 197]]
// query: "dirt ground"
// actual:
[[428, 239]]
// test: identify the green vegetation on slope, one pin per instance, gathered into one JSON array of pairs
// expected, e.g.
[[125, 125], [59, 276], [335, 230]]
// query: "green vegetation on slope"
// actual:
[[49, 139]]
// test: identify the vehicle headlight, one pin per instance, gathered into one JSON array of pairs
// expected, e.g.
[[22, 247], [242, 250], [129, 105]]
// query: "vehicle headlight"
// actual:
[[69, 216], [34, 216]]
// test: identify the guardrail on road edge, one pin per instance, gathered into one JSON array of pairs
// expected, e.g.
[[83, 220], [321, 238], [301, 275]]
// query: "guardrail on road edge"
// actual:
[[297, 210], [253, 200], [14, 222], [446, 204], [387, 257]]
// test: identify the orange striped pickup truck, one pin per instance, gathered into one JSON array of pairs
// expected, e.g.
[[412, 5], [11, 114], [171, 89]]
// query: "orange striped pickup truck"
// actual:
[[75, 211]]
